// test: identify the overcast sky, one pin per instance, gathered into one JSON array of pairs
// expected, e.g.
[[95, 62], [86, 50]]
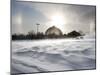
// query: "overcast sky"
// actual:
[[25, 16]]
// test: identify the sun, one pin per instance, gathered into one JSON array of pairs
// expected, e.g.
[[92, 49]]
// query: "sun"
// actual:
[[57, 19]]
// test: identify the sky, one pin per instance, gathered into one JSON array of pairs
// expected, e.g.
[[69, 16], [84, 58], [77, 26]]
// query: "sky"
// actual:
[[67, 17]]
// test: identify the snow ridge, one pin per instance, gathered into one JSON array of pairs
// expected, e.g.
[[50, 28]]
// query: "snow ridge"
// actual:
[[52, 55]]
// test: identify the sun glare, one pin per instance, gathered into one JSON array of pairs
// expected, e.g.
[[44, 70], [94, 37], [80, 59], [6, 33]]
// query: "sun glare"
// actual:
[[19, 20], [57, 19]]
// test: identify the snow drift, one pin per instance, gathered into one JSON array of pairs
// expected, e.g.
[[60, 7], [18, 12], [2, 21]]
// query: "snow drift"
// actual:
[[52, 55]]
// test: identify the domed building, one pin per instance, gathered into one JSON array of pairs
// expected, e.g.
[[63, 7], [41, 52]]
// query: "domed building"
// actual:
[[53, 31]]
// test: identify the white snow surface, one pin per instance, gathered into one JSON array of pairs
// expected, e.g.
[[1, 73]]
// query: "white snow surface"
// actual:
[[52, 55]]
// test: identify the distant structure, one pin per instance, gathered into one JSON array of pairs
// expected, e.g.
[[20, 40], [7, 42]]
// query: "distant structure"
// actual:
[[37, 27], [53, 31], [73, 34]]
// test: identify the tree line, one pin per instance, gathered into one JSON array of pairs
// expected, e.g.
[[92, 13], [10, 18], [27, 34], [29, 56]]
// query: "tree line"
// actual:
[[40, 35]]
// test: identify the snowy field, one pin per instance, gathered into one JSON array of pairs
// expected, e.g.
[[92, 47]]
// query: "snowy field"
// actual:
[[53, 55]]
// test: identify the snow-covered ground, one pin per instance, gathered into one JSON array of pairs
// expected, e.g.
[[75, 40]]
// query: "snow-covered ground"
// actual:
[[52, 55]]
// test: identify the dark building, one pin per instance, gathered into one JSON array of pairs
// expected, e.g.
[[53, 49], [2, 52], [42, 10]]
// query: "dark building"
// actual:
[[73, 34], [53, 31]]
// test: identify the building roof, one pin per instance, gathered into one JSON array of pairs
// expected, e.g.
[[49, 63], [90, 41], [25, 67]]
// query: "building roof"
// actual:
[[53, 30]]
